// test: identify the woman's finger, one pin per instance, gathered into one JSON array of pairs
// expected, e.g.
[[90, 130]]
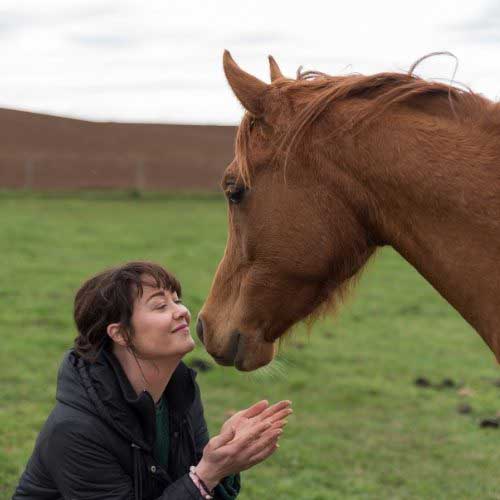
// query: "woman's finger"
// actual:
[[264, 440], [275, 408], [263, 454], [255, 409], [253, 433], [280, 415], [279, 425], [235, 415], [263, 444], [223, 438]]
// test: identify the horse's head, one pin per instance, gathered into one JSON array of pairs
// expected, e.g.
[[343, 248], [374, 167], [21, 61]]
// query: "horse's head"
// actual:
[[296, 233]]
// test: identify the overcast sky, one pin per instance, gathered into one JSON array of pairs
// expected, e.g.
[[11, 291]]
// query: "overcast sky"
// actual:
[[161, 61]]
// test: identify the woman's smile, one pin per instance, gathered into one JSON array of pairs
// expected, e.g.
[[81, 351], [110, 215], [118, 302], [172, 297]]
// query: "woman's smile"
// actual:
[[183, 328]]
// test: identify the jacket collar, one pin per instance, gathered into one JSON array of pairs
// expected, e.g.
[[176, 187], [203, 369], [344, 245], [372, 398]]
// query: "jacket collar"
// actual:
[[180, 391], [114, 399]]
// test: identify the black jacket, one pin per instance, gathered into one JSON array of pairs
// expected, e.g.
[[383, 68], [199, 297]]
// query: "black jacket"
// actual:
[[98, 441]]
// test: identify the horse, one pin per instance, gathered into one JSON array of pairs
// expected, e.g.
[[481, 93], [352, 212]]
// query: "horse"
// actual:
[[328, 169]]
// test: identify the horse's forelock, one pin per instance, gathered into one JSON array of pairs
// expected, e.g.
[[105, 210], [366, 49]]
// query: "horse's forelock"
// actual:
[[241, 148]]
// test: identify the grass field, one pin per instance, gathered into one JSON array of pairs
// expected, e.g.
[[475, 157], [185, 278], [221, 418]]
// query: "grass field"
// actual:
[[361, 430]]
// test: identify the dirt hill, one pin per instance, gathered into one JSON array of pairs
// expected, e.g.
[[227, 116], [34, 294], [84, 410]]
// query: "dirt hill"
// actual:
[[49, 152]]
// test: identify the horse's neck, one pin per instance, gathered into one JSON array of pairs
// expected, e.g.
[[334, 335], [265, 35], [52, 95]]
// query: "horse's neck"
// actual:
[[443, 217], [463, 264]]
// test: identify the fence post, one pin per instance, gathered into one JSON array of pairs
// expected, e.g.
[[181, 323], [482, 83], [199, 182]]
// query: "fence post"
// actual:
[[29, 170], [139, 175]]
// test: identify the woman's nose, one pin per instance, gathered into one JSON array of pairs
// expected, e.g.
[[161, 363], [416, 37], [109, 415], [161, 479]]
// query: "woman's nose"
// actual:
[[181, 311]]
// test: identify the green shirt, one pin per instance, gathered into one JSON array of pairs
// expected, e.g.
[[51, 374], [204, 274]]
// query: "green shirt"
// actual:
[[162, 442]]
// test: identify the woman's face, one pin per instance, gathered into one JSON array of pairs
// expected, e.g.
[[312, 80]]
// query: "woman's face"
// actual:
[[161, 324]]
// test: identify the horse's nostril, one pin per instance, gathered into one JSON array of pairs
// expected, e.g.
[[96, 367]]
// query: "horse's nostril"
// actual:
[[199, 329], [233, 346]]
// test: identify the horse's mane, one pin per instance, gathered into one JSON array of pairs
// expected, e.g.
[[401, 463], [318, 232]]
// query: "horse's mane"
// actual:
[[380, 91]]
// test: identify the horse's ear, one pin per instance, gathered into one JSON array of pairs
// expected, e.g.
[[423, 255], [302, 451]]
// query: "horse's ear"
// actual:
[[249, 90], [275, 69]]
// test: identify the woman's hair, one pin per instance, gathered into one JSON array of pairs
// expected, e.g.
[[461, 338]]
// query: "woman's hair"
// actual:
[[108, 298]]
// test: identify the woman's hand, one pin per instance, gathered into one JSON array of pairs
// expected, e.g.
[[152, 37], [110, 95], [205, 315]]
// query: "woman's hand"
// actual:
[[247, 438], [259, 412]]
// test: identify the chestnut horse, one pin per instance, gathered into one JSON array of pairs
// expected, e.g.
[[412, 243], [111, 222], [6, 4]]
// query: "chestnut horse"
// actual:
[[327, 169]]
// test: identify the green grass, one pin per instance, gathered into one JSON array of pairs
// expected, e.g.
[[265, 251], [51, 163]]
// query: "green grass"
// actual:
[[361, 428]]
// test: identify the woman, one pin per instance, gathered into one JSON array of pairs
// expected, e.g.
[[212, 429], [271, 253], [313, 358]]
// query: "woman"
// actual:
[[128, 421]]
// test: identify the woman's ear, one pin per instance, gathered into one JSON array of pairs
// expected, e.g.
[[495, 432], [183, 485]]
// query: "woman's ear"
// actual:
[[115, 332]]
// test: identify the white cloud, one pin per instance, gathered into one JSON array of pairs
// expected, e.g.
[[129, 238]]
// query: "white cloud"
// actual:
[[161, 61]]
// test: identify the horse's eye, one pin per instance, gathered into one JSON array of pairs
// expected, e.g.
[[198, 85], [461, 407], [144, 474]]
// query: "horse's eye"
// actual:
[[235, 194]]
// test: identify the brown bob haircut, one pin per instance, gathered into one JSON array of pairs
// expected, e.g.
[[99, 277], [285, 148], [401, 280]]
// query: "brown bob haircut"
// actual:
[[108, 298]]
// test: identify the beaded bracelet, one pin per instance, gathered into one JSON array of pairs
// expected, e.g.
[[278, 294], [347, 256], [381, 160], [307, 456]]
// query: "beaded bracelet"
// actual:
[[202, 487]]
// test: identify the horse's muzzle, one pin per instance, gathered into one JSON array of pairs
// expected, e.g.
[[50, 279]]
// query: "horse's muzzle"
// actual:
[[228, 355]]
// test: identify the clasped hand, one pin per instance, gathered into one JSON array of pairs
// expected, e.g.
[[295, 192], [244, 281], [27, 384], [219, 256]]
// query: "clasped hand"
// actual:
[[247, 438]]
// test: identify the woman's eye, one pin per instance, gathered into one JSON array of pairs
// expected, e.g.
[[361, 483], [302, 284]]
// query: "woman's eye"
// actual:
[[161, 306], [235, 194], [178, 301]]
